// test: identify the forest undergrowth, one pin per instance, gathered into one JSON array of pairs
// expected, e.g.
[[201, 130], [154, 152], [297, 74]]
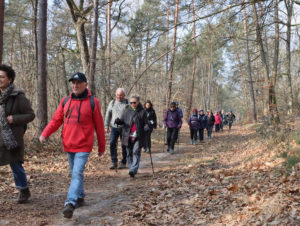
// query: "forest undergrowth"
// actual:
[[249, 176]]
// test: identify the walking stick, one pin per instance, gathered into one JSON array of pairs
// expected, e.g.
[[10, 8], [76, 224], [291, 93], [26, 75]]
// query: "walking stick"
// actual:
[[151, 162]]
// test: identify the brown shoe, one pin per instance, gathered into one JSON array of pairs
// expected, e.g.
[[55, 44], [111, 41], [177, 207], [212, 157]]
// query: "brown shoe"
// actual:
[[23, 196]]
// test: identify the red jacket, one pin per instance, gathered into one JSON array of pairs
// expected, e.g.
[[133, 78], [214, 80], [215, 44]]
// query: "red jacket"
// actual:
[[218, 119], [79, 125]]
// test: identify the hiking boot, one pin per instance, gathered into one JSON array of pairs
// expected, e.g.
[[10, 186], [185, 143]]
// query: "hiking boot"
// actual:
[[114, 166], [194, 142], [147, 150], [80, 202], [68, 211], [122, 166], [191, 142], [23, 196], [171, 151], [131, 174]]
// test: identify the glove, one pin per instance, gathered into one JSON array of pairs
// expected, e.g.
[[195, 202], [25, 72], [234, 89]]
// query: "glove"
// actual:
[[118, 121]]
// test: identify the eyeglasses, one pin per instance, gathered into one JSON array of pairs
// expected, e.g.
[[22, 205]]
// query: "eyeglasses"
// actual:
[[132, 102]]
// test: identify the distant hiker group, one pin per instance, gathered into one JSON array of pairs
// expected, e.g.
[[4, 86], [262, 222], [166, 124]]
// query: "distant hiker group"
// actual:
[[79, 114]]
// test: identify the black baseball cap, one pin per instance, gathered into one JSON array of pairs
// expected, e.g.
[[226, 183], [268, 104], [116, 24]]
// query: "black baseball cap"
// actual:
[[78, 76]]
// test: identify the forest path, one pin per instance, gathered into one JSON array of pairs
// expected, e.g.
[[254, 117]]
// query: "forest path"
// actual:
[[231, 179]]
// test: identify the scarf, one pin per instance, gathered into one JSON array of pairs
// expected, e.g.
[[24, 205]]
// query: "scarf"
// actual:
[[7, 135]]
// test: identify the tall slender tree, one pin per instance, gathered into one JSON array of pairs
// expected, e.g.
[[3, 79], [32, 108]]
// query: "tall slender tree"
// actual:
[[42, 66], [2, 6]]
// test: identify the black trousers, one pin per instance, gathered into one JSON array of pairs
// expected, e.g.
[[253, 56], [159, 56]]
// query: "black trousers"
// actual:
[[172, 135], [148, 139], [193, 134], [201, 134]]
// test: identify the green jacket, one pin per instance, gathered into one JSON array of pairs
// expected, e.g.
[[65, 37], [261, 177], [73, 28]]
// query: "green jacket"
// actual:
[[20, 108]]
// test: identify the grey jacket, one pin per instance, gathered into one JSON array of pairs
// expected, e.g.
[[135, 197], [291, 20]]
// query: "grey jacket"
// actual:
[[115, 110]]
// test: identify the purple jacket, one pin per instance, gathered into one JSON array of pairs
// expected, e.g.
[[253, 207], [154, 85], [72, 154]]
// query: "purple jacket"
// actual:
[[172, 119], [194, 122]]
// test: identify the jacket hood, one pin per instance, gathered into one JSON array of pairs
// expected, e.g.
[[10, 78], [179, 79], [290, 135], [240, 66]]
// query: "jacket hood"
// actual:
[[17, 91]]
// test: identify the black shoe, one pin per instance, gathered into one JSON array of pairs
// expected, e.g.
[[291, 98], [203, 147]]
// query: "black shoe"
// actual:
[[131, 174], [24, 195], [80, 202], [114, 166], [68, 211]]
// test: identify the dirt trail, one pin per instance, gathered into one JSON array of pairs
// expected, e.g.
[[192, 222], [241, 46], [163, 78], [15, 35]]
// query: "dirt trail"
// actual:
[[230, 179]]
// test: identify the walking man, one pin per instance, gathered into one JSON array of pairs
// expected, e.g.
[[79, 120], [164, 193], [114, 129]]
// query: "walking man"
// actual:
[[79, 114], [115, 110]]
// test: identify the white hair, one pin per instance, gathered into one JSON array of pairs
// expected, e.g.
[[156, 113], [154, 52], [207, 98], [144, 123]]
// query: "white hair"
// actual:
[[122, 90]]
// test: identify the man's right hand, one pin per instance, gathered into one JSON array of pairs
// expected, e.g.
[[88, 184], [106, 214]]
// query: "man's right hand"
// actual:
[[42, 139], [107, 130]]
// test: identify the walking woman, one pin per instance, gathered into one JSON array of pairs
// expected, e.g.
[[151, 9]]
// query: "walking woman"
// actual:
[[15, 113], [210, 123], [173, 122], [135, 125], [194, 124], [151, 117]]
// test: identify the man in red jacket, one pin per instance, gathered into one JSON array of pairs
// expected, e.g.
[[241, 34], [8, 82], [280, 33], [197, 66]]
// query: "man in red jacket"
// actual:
[[79, 113]]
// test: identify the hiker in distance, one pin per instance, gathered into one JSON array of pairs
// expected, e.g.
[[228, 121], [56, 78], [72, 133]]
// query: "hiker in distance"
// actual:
[[15, 113], [79, 114], [152, 120], [230, 117], [135, 125], [115, 110], [210, 123], [203, 125], [173, 122], [194, 124]]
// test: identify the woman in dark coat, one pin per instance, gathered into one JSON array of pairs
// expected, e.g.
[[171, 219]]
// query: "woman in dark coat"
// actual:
[[152, 120], [210, 123], [194, 124], [15, 113], [173, 122], [135, 124]]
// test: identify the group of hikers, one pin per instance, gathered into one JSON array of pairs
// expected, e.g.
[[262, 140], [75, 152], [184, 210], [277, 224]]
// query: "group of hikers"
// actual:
[[79, 114], [199, 122]]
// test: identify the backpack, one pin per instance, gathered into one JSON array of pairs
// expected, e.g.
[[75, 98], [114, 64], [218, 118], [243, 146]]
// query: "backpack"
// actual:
[[92, 102]]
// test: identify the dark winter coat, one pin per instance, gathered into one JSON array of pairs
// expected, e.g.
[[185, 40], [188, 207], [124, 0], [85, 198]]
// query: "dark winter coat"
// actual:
[[203, 120], [139, 118], [172, 119], [20, 108], [210, 120], [151, 116], [194, 122]]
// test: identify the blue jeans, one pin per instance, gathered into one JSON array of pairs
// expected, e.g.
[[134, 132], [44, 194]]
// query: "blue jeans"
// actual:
[[114, 136], [134, 156], [19, 175], [77, 163]]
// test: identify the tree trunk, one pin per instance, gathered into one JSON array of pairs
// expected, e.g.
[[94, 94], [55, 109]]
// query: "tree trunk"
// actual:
[[169, 95], [94, 49], [42, 66], [289, 8], [249, 70], [190, 102], [167, 48], [108, 43], [2, 6]]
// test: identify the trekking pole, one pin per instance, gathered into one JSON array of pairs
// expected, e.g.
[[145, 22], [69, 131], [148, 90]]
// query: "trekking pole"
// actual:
[[151, 162]]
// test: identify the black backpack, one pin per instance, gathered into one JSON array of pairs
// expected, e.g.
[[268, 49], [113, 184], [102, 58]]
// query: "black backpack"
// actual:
[[92, 102]]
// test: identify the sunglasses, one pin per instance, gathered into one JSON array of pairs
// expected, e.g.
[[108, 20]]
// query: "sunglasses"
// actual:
[[132, 102]]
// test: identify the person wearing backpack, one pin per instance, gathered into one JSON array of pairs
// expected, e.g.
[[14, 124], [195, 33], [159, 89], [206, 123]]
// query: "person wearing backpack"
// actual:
[[151, 117], [15, 113], [115, 110], [80, 116], [194, 124], [173, 122]]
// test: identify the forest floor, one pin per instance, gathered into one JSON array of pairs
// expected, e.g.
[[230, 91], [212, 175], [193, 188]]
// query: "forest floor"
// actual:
[[236, 178]]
